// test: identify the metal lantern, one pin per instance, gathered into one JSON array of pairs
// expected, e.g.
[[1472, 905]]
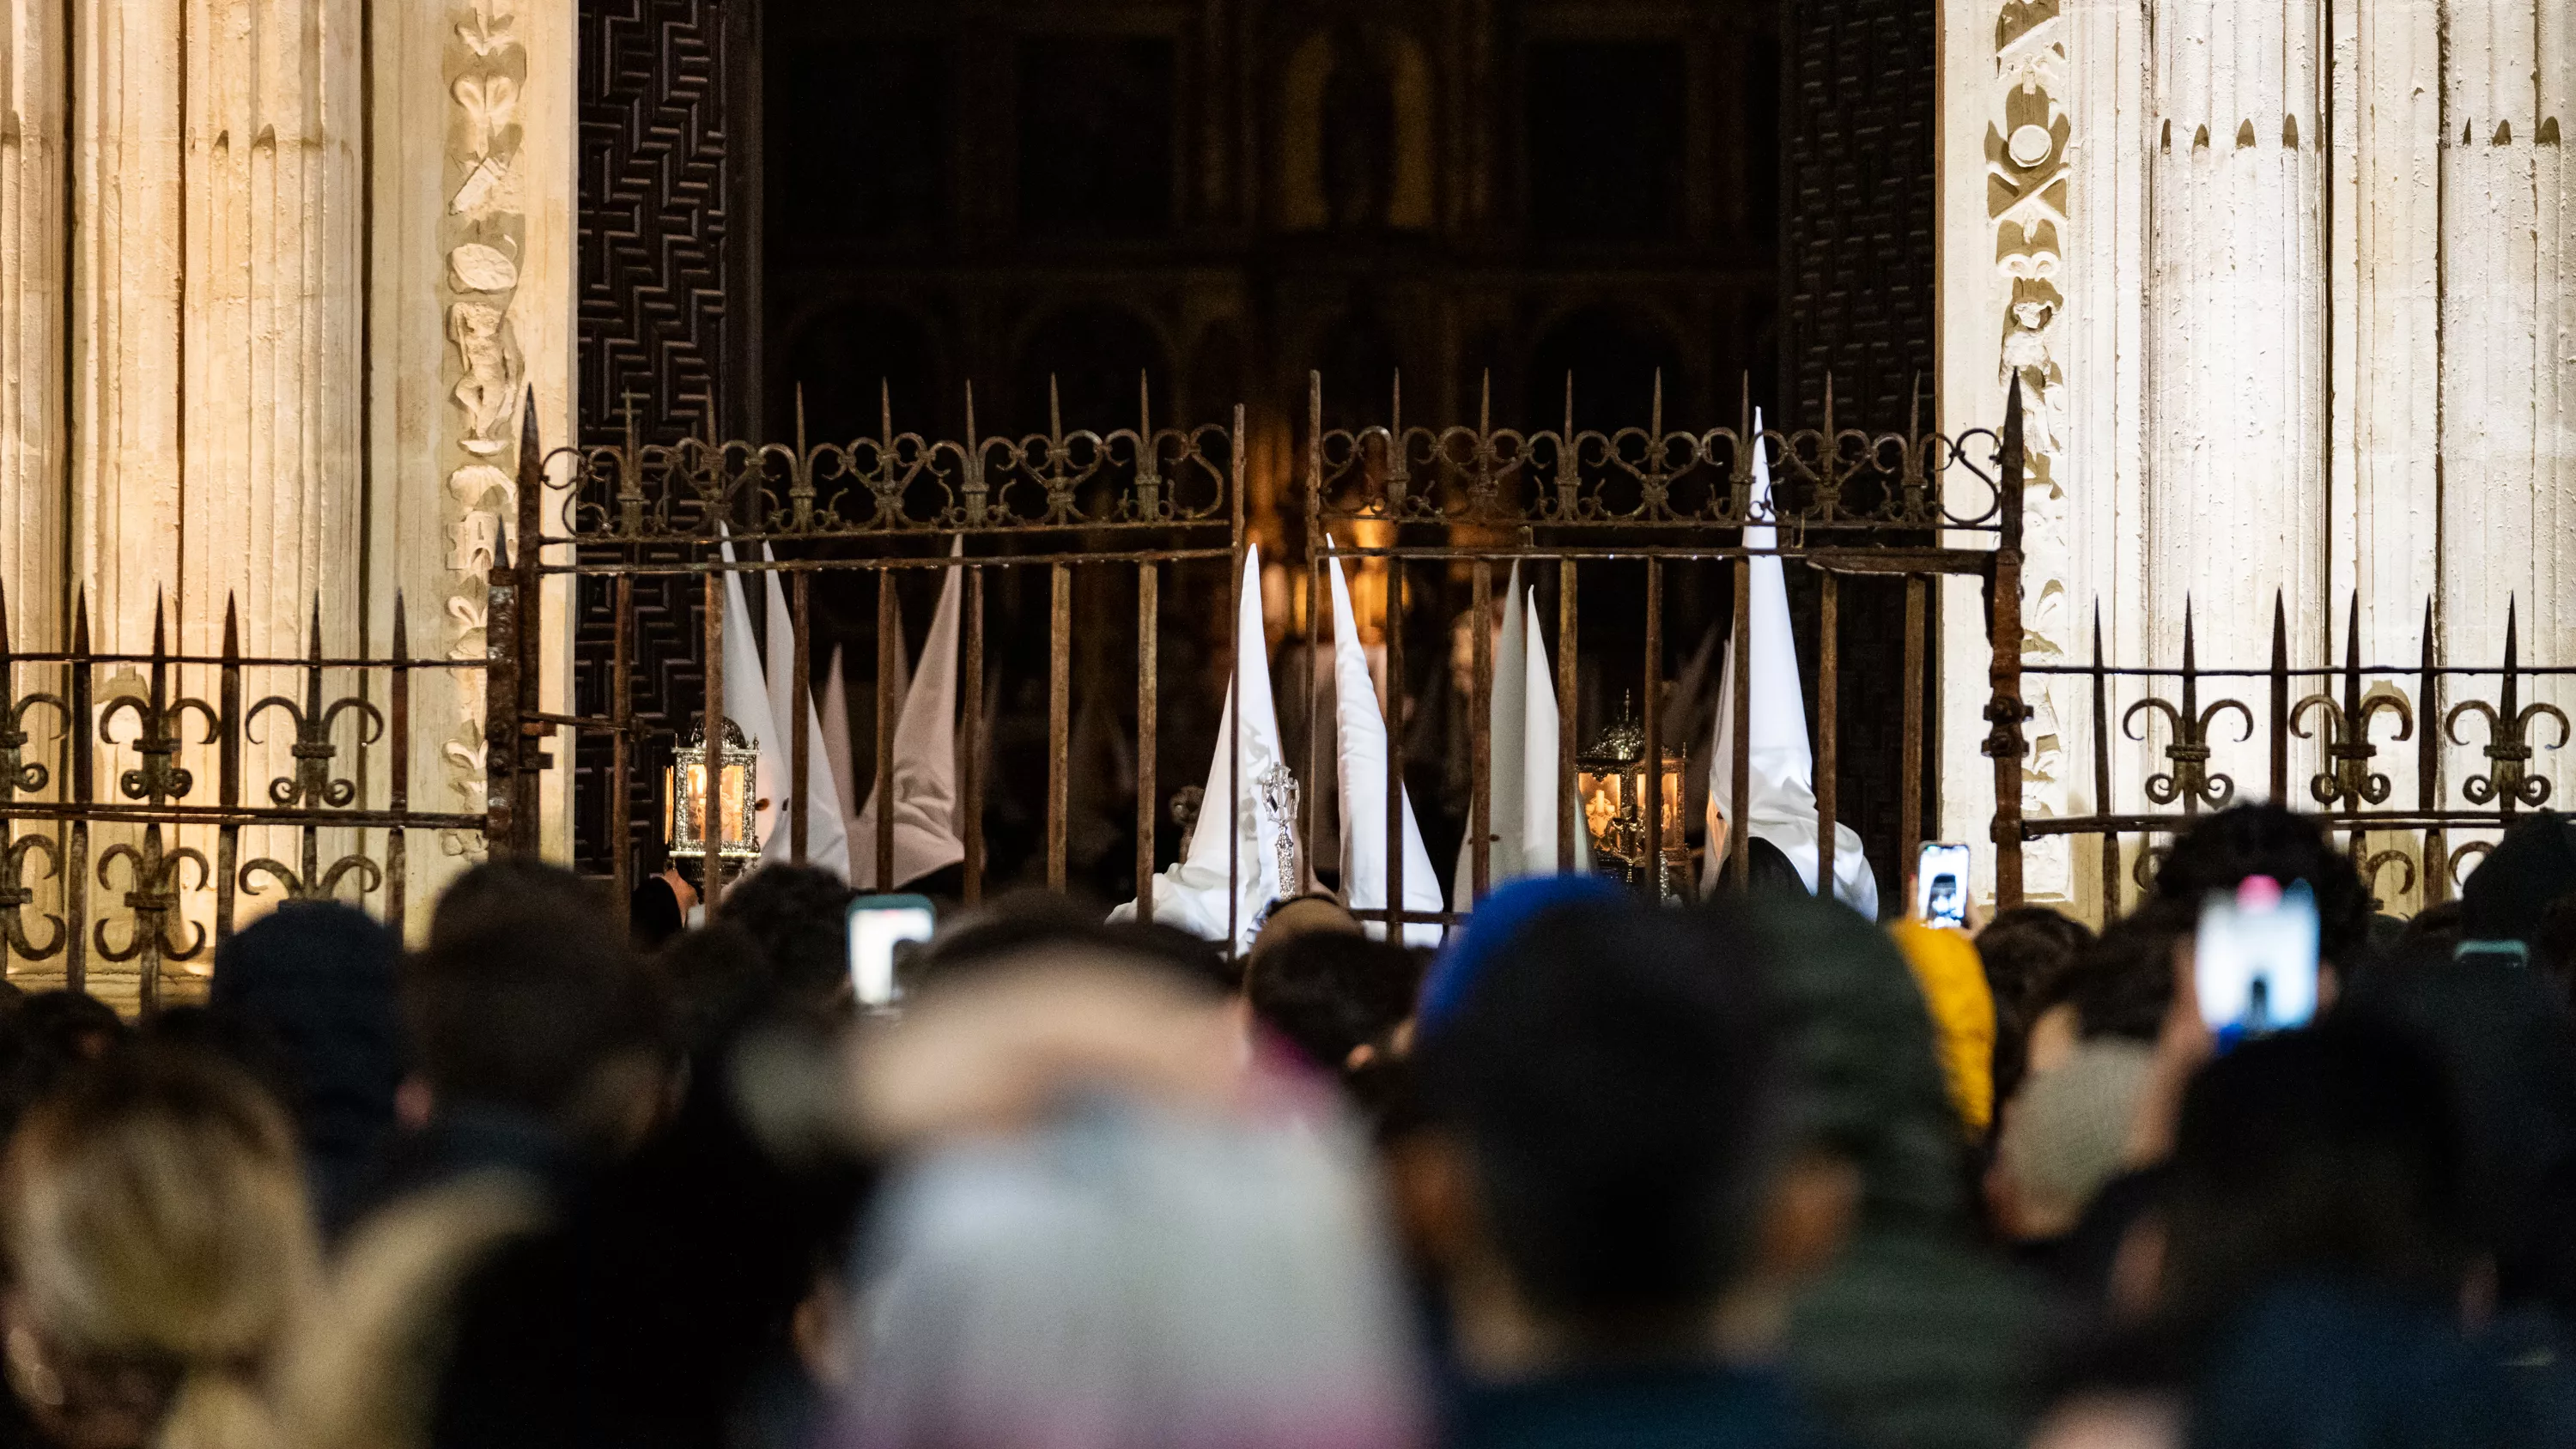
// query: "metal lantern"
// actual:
[[737, 796], [1610, 780]]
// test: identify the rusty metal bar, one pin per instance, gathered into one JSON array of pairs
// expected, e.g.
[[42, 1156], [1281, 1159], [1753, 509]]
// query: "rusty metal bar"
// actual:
[[2436, 872], [1480, 703], [1059, 721], [1569, 801], [1739, 833], [1310, 799], [1828, 726], [398, 769], [1654, 726], [1392, 712], [889, 664], [970, 761], [711, 800], [228, 730], [1234, 694], [1149, 613], [2005, 711], [76, 862], [2110, 853], [527, 759], [800, 706], [2280, 695], [1910, 741], [501, 699], [621, 738]]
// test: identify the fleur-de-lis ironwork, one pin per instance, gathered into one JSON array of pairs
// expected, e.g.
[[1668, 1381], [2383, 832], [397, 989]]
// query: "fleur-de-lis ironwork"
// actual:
[[311, 785], [2508, 781], [2190, 780], [307, 885], [16, 896], [2150, 859], [2474, 850], [156, 730], [18, 773], [2348, 745], [152, 894]]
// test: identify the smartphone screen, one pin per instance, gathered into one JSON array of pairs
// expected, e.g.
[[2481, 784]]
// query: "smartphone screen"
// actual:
[[2255, 959], [1941, 886], [877, 925]]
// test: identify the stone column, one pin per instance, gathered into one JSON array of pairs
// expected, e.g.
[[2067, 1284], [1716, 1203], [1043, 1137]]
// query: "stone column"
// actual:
[[2236, 401], [472, 305], [273, 219], [32, 255]]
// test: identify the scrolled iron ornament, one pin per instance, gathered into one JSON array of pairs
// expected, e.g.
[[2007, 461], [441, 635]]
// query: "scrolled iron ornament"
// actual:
[[16, 896], [2348, 746], [2508, 780], [371, 877], [152, 894], [2188, 751]]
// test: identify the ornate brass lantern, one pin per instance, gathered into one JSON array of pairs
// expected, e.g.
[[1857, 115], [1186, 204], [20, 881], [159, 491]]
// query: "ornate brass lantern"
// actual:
[[1610, 780], [737, 796]]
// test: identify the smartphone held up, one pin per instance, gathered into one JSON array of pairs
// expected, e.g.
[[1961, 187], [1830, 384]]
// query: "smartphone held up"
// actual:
[[2255, 959], [1941, 885], [879, 927]]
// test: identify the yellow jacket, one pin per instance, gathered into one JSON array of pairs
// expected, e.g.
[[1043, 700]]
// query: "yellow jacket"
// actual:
[[1953, 982]]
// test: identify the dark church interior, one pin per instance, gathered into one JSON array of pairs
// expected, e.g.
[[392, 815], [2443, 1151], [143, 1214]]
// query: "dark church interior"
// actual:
[[893, 203]]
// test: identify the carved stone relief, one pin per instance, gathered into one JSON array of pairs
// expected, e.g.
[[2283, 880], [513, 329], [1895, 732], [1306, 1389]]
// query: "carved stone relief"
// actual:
[[485, 232]]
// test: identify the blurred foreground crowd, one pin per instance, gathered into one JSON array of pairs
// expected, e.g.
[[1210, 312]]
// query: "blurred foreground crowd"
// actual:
[[1755, 1173]]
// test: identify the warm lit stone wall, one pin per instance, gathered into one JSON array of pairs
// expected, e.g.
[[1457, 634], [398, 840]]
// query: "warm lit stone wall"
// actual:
[[2294, 310], [258, 343]]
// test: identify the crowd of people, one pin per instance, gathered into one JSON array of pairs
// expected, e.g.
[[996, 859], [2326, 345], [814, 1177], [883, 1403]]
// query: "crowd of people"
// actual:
[[1756, 1172]]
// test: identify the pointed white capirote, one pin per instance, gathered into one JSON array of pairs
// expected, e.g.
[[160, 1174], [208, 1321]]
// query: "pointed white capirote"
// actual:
[[1541, 732], [1781, 803], [827, 844], [926, 832], [1361, 753], [1197, 894]]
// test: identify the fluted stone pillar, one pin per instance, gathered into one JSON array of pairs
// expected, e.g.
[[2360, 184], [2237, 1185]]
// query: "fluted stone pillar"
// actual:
[[2235, 463], [32, 256]]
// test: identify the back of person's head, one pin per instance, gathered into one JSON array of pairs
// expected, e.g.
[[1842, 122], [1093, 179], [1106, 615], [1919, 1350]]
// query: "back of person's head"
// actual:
[[1024, 924], [1121, 1276], [2507, 1042], [1608, 1076], [2328, 1153], [2121, 984], [2065, 1135], [2219, 852], [798, 915], [526, 1010], [510, 888], [1330, 993], [158, 1249], [2024, 950], [1298, 917], [313, 987], [51, 1034], [1862, 1079]]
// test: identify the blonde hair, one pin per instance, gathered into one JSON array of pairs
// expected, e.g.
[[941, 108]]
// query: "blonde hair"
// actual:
[[155, 1210]]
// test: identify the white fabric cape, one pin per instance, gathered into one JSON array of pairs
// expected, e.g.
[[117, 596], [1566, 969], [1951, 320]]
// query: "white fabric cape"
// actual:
[[1193, 894], [1361, 745], [1781, 764], [926, 836], [746, 703]]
